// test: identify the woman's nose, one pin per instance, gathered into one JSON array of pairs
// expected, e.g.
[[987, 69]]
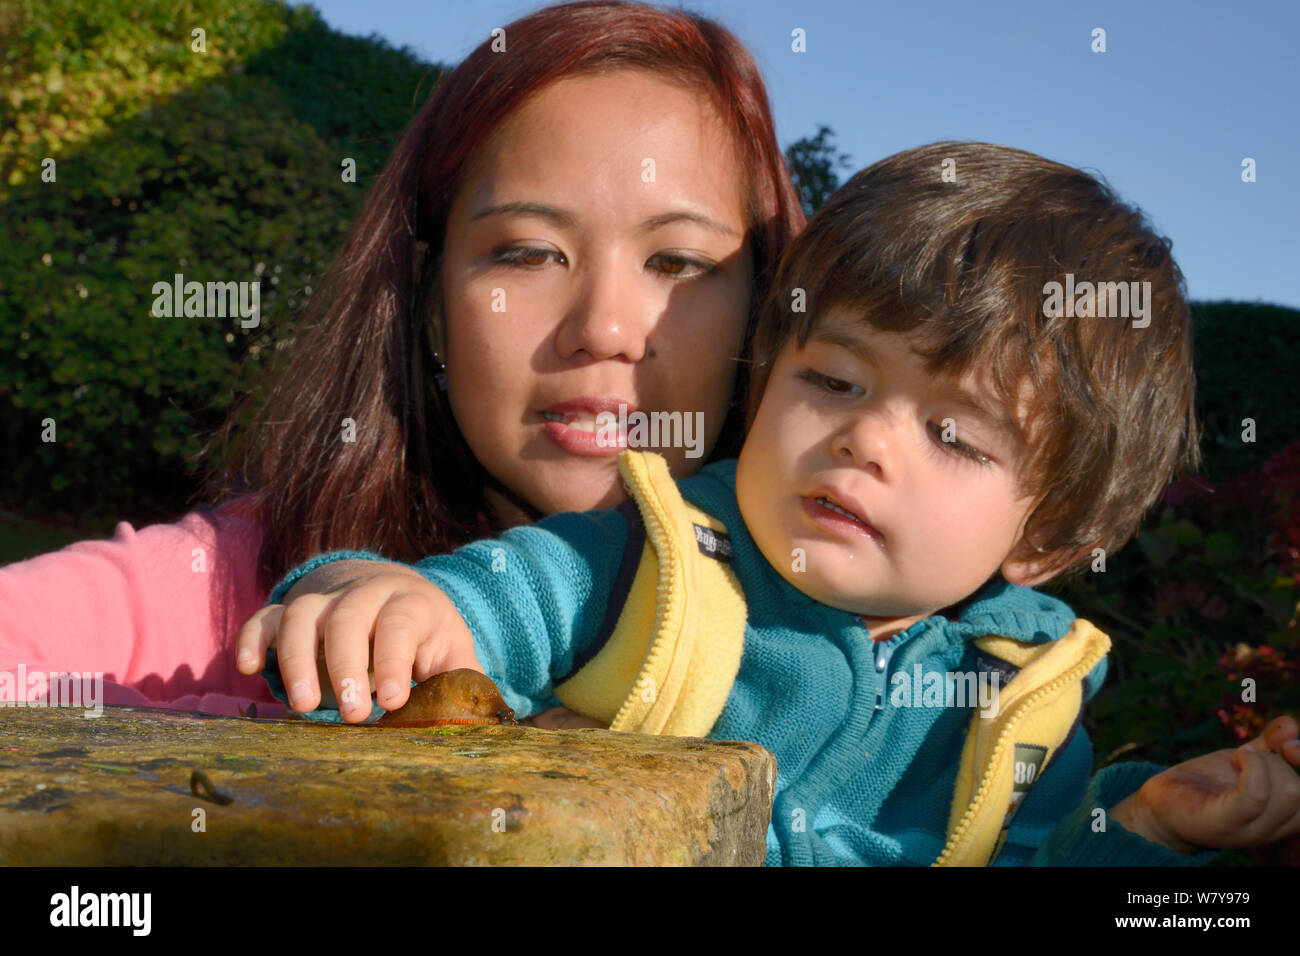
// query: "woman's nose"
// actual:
[[611, 316]]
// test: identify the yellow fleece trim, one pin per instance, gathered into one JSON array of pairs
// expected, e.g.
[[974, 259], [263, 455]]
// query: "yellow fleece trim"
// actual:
[[1037, 708], [670, 662]]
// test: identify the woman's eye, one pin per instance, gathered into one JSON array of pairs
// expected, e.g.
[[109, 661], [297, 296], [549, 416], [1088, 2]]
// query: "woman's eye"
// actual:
[[958, 447], [677, 266], [529, 256], [834, 386]]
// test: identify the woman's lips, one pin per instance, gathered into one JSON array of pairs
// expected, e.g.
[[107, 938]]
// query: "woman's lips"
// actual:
[[563, 424], [579, 441], [839, 524]]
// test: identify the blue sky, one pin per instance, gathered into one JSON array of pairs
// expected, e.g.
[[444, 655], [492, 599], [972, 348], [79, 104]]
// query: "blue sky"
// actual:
[[1184, 92]]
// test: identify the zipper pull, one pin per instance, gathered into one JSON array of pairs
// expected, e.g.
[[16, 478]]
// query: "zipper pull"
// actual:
[[884, 650]]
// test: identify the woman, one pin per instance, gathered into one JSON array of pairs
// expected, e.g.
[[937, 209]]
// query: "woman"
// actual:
[[584, 218]]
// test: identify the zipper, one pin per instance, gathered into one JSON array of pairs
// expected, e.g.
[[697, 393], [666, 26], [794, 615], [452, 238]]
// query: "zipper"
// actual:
[[884, 651], [1004, 739]]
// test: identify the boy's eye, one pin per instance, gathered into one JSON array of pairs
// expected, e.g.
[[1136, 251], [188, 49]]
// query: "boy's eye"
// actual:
[[825, 383], [958, 447]]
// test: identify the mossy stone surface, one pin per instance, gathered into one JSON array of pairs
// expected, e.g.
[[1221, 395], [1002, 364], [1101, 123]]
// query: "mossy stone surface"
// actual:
[[117, 790]]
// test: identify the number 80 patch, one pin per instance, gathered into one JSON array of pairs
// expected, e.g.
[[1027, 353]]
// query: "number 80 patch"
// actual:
[[1028, 762]]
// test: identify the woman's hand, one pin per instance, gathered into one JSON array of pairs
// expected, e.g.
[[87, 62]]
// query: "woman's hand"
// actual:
[[416, 630]]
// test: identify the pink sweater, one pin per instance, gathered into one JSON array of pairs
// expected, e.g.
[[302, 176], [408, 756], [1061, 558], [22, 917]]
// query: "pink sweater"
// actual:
[[156, 610]]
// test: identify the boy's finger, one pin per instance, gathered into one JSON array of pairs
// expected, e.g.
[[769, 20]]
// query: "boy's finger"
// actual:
[[1250, 796], [1291, 751], [403, 622], [257, 634], [1278, 732], [448, 646], [437, 654], [1281, 818], [434, 656], [1274, 734], [458, 657], [1289, 826], [349, 628], [296, 650], [327, 699]]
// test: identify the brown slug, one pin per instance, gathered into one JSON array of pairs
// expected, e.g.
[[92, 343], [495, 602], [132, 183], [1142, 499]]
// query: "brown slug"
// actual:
[[461, 696]]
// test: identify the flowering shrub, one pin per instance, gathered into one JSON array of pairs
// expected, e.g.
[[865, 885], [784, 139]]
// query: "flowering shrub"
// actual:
[[1202, 611]]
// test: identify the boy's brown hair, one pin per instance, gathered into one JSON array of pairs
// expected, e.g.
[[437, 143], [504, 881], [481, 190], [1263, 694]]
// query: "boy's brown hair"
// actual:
[[959, 241]]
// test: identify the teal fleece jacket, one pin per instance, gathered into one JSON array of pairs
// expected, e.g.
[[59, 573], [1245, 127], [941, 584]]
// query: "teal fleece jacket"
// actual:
[[861, 778]]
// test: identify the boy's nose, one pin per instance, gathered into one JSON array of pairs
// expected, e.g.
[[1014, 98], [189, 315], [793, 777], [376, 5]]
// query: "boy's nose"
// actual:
[[866, 443]]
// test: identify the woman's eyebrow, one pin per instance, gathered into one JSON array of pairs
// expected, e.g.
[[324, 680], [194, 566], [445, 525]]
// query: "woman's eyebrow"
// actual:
[[550, 213], [684, 215], [566, 220]]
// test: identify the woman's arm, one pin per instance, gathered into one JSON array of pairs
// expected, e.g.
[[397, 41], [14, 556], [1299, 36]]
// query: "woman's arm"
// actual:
[[155, 610]]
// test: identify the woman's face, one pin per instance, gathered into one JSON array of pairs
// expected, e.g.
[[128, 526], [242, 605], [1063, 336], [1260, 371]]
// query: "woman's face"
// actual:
[[597, 249]]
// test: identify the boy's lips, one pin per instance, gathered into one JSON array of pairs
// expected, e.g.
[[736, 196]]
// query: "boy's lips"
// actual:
[[843, 502]]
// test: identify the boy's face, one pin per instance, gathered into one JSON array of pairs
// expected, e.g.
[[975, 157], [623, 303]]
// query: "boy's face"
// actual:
[[868, 431]]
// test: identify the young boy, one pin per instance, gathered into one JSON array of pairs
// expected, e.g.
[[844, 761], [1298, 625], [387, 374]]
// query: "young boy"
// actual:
[[936, 424]]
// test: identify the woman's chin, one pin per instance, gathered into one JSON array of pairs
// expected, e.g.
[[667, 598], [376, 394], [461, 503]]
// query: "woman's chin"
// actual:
[[611, 497], [570, 491]]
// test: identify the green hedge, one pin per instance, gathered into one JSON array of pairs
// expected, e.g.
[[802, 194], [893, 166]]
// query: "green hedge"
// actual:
[[1247, 366], [222, 166]]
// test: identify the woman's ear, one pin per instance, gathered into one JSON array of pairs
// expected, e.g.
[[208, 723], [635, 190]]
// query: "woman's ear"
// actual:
[[419, 252], [434, 335], [429, 302]]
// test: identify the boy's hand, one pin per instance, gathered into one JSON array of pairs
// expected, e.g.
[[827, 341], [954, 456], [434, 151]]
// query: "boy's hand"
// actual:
[[415, 627], [1223, 800]]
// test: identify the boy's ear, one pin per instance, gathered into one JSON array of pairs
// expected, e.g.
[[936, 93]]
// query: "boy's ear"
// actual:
[[1029, 568], [1026, 565]]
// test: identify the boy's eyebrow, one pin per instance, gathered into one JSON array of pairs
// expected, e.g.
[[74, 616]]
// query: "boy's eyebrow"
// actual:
[[846, 341], [991, 416], [566, 220]]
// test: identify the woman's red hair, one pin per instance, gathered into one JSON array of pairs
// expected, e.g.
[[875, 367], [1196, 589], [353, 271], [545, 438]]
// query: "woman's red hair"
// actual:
[[408, 486]]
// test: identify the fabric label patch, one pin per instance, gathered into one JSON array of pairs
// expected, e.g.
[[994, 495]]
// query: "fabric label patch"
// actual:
[[988, 664], [715, 544], [1029, 760]]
